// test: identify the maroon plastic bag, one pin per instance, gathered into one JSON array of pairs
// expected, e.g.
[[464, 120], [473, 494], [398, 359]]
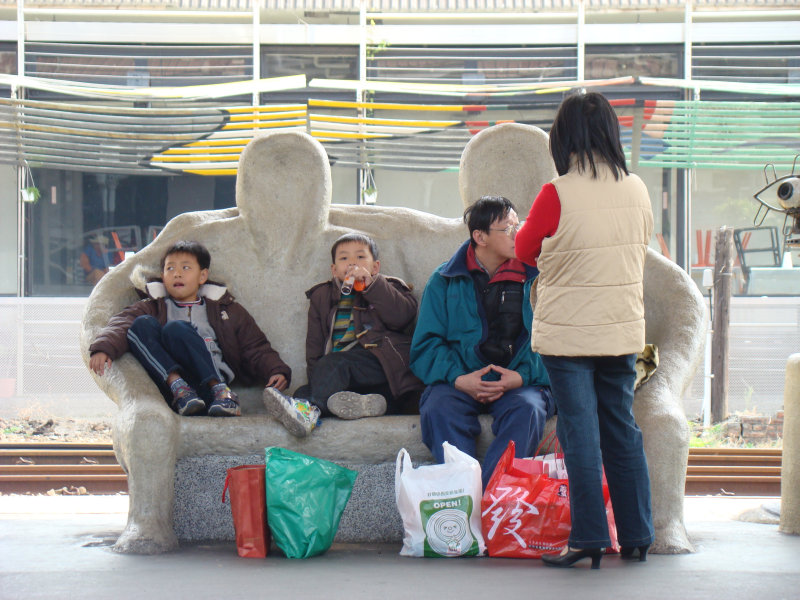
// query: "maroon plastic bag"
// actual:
[[248, 495]]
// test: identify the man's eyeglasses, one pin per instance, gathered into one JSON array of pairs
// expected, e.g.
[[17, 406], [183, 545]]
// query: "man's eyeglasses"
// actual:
[[510, 231]]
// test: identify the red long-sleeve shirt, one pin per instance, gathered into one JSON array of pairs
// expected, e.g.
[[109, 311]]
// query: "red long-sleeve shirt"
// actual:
[[542, 222]]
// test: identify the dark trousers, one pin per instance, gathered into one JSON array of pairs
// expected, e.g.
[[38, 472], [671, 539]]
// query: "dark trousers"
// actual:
[[175, 347], [355, 370], [596, 428], [448, 415]]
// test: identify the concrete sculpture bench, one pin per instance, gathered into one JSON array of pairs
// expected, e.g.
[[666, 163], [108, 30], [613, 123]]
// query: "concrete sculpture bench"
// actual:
[[273, 246]]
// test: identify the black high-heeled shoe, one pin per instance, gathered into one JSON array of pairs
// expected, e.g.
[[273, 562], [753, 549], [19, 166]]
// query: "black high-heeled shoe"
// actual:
[[626, 552], [570, 557]]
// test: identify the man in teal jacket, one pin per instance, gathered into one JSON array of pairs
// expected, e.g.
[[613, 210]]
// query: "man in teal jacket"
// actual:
[[472, 343]]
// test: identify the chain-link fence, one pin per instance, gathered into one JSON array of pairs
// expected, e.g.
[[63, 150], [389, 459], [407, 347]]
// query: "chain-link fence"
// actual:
[[41, 370], [763, 333], [41, 366]]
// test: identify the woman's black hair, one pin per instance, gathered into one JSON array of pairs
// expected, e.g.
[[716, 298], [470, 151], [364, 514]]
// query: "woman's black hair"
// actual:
[[488, 209], [587, 128], [196, 249]]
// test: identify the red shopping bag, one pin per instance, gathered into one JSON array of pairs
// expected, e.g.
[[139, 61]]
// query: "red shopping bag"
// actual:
[[249, 509], [525, 513]]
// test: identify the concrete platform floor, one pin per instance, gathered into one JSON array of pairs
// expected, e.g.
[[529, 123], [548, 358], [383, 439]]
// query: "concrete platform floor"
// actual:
[[57, 547]]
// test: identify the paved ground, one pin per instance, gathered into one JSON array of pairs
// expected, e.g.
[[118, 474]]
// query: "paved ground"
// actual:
[[57, 547]]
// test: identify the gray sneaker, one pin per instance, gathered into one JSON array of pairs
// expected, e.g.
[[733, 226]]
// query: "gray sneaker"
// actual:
[[297, 416], [350, 405]]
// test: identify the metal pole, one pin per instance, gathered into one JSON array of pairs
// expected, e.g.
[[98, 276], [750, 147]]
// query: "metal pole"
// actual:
[[360, 94], [20, 232], [581, 44], [256, 55], [687, 41], [20, 38], [682, 218], [684, 212], [636, 135], [18, 93]]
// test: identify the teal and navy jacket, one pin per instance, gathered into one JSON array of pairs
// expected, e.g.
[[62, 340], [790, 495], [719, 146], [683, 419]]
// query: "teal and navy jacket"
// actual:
[[452, 326]]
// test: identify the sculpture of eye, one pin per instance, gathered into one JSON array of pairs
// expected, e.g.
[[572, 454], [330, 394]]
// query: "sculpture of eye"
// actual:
[[782, 195], [789, 192]]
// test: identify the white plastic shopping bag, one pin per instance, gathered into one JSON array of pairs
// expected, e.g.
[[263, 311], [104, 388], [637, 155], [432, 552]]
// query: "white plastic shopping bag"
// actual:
[[440, 505]]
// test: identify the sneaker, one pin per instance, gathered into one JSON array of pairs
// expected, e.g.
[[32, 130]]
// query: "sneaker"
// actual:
[[226, 402], [297, 416], [350, 405], [185, 400]]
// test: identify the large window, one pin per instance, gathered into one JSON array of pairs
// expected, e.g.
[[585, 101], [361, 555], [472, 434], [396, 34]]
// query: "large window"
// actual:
[[8, 65], [84, 223], [140, 64], [8, 58], [315, 62], [602, 62], [751, 63], [472, 65]]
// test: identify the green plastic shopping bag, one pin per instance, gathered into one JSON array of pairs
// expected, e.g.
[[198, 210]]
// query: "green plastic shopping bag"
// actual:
[[306, 497]]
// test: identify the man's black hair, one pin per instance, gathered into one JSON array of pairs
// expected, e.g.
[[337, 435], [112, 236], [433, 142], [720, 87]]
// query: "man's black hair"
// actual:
[[196, 249], [484, 212], [586, 128], [355, 237]]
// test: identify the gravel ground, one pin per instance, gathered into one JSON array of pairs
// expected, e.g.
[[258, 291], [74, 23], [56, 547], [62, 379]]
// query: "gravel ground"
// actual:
[[55, 430], [98, 431], [48, 431]]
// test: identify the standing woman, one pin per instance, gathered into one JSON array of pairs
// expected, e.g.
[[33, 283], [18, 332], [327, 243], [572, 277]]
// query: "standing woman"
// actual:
[[588, 232]]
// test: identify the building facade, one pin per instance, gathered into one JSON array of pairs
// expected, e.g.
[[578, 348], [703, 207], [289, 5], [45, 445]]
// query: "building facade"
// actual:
[[124, 114]]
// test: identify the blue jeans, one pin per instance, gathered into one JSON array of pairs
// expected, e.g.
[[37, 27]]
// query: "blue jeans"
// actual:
[[174, 348], [596, 428], [448, 415]]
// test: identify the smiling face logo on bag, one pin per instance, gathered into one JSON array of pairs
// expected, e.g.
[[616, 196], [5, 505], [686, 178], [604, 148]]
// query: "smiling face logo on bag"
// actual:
[[440, 505], [446, 525]]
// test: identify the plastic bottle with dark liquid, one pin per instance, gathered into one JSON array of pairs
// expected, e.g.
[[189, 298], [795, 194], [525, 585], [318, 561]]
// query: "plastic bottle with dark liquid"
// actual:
[[351, 284]]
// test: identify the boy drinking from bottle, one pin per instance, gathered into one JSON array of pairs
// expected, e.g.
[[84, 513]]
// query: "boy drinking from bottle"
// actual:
[[357, 345]]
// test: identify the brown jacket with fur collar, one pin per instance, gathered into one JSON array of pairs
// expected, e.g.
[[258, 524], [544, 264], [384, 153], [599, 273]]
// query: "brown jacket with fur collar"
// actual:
[[245, 348]]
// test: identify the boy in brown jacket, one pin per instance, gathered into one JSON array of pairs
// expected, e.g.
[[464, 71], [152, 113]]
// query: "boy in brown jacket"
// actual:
[[192, 338], [357, 343]]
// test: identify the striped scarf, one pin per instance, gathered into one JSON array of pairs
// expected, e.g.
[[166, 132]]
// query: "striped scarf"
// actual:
[[344, 331]]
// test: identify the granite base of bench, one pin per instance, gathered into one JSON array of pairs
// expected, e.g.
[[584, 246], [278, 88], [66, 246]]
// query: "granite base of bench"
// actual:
[[199, 515], [368, 446]]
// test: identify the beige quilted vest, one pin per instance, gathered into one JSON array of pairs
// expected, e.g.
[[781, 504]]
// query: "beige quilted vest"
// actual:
[[589, 298]]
